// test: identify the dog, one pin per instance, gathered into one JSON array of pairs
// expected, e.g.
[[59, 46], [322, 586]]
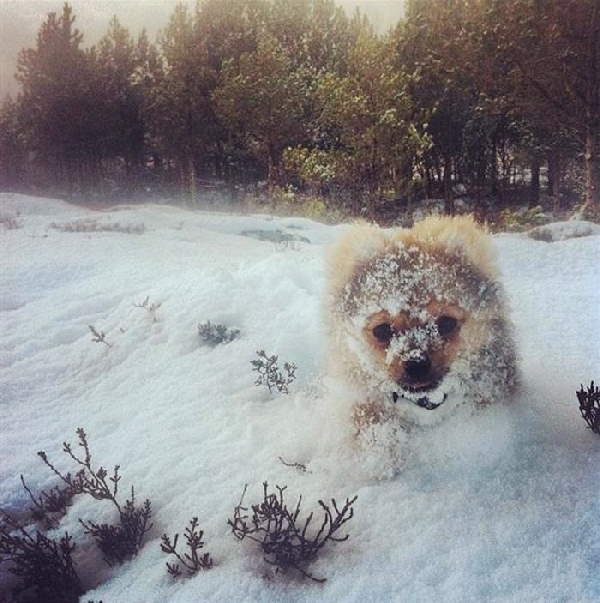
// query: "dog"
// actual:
[[417, 322]]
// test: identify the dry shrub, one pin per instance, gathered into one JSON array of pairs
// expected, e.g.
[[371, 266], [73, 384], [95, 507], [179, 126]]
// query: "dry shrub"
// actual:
[[192, 561], [589, 406], [270, 375], [285, 540]]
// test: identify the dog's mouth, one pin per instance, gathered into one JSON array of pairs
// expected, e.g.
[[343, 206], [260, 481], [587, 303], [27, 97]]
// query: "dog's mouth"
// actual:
[[417, 396]]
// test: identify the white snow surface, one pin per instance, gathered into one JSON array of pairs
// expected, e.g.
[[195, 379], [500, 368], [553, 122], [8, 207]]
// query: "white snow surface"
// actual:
[[560, 231], [500, 506]]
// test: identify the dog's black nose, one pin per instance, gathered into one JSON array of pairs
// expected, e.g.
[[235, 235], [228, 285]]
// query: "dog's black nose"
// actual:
[[418, 370]]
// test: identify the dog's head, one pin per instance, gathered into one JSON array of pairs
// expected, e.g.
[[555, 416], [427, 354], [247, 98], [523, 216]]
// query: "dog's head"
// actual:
[[417, 315]]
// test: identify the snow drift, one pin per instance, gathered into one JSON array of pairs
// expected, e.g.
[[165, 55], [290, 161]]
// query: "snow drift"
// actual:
[[499, 506]]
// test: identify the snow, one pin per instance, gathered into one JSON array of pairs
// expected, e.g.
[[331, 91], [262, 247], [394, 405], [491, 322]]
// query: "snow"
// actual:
[[560, 231], [499, 506]]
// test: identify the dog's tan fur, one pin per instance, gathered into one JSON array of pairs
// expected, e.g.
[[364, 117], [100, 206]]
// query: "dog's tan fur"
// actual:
[[369, 268]]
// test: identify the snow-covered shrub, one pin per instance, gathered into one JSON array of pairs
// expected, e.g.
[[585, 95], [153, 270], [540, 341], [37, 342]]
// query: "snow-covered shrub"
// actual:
[[285, 540], [589, 406], [92, 225], [150, 308], [270, 375], [117, 542], [192, 561], [49, 506], [214, 334], [124, 540], [44, 566]]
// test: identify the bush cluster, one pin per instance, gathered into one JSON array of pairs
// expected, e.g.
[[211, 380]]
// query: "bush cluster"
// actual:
[[45, 565]]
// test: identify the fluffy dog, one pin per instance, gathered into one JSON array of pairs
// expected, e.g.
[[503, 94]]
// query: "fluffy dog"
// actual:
[[418, 322]]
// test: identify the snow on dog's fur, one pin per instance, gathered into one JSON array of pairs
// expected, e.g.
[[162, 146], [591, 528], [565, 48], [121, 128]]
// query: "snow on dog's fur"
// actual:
[[418, 323]]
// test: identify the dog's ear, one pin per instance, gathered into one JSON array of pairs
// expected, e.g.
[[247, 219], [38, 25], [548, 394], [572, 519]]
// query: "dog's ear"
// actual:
[[355, 247], [459, 235]]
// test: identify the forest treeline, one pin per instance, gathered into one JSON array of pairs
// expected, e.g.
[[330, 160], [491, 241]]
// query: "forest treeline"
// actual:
[[495, 99]]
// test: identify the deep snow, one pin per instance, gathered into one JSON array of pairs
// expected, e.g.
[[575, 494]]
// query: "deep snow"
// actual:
[[501, 506]]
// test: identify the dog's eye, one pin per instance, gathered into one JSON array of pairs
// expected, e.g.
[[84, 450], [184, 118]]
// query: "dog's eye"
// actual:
[[446, 325], [383, 332]]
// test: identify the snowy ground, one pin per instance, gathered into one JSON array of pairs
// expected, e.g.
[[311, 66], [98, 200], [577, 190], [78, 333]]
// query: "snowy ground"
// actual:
[[504, 506]]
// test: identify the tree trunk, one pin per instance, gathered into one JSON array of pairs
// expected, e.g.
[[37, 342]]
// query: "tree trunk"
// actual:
[[448, 193], [534, 195], [554, 178], [592, 200]]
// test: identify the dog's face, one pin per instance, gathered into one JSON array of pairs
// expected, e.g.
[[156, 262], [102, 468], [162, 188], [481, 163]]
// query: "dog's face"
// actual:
[[415, 324]]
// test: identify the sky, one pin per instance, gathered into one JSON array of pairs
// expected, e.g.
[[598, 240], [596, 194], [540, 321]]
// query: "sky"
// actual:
[[20, 20]]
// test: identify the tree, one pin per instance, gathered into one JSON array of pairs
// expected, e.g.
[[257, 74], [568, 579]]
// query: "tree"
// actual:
[[364, 138], [553, 50], [117, 65], [261, 100], [60, 97]]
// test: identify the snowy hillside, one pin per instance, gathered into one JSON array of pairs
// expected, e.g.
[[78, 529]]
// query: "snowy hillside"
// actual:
[[503, 506]]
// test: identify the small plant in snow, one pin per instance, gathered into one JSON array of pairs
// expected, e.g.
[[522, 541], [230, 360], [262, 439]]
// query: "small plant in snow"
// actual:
[[124, 540], [214, 334], [117, 542], [589, 406], [299, 466], [285, 540], [99, 337], [44, 565], [150, 308], [192, 561], [270, 375], [49, 506]]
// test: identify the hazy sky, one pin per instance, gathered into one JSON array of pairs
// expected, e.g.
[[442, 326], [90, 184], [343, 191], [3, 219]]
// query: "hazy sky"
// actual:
[[20, 20]]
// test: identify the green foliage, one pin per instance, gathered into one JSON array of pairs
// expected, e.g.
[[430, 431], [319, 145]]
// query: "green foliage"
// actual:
[[492, 98]]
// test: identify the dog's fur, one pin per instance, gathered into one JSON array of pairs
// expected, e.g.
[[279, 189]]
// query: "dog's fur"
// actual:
[[418, 322]]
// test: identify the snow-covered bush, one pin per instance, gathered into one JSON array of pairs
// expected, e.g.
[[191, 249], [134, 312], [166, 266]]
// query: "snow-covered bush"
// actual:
[[214, 334], [44, 565], [285, 540], [91, 225], [151, 308], [589, 406], [192, 561], [117, 542], [270, 375], [50, 505]]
